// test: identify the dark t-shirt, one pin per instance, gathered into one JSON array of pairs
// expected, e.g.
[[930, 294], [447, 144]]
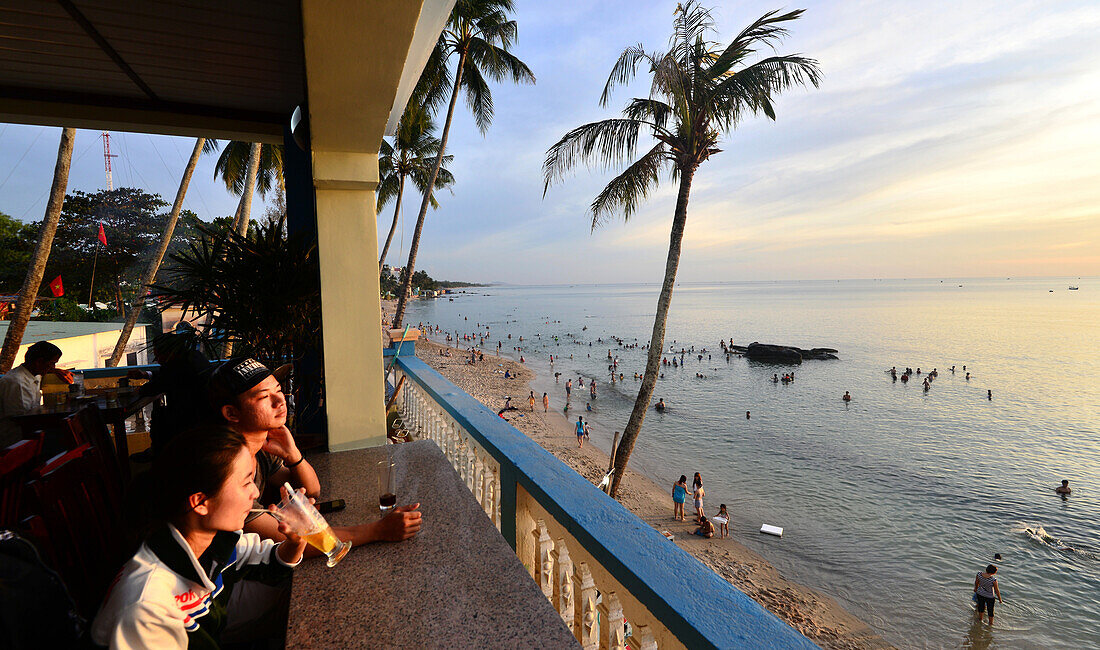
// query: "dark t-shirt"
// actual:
[[266, 465]]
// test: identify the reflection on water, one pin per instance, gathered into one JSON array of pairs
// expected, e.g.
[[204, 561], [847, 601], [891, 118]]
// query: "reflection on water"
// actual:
[[891, 502]]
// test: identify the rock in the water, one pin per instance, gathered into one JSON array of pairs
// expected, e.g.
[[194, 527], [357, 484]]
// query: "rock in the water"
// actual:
[[784, 354]]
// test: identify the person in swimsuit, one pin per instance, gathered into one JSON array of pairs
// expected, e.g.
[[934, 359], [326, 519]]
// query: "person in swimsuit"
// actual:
[[985, 589], [698, 494], [723, 527], [679, 496], [705, 529], [1064, 488], [580, 432]]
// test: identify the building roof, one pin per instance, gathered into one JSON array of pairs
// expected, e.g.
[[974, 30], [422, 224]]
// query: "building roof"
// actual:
[[45, 330]]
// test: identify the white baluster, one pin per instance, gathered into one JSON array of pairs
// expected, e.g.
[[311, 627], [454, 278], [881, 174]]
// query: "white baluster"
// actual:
[[485, 476], [585, 627], [543, 564], [563, 582], [497, 487], [641, 637], [612, 634]]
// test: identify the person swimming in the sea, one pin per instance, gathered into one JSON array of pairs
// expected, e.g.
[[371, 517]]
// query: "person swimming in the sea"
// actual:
[[1064, 488], [660, 405]]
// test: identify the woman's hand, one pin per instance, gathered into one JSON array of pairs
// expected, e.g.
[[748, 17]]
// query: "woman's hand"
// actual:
[[290, 550]]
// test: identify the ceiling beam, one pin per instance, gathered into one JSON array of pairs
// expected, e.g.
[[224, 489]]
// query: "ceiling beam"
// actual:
[[94, 34]]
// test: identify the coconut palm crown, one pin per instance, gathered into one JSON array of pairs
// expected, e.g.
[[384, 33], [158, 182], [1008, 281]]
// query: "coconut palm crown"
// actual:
[[479, 34], [411, 155], [699, 92]]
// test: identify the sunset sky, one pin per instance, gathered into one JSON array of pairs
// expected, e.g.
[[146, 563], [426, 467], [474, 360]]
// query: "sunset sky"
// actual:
[[947, 139]]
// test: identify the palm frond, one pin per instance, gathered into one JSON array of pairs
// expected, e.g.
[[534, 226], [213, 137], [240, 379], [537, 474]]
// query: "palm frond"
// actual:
[[478, 96], [631, 187], [608, 141], [624, 70]]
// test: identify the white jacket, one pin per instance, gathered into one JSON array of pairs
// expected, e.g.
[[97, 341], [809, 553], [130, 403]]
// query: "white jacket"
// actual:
[[163, 598]]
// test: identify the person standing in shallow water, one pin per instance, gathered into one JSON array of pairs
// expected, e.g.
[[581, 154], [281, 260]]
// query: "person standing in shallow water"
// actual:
[[986, 589], [545, 403]]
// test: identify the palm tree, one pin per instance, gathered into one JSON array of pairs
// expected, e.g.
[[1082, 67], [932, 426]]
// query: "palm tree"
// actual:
[[154, 263], [412, 154], [33, 280], [246, 168], [699, 92], [479, 33]]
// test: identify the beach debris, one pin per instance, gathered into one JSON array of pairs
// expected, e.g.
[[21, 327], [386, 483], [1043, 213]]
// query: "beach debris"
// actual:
[[768, 529], [668, 534]]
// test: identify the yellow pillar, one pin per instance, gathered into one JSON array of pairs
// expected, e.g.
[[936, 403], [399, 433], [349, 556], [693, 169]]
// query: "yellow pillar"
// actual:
[[356, 53]]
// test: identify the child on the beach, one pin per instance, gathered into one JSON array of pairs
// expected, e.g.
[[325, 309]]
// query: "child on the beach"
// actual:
[[723, 519]]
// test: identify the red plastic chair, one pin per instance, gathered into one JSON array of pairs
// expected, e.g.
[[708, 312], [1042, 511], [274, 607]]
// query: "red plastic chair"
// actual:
[[86, 426], [15, 465], [78, 523]]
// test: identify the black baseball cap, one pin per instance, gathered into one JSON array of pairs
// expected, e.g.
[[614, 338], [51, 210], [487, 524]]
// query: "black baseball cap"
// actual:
[[234, 377]]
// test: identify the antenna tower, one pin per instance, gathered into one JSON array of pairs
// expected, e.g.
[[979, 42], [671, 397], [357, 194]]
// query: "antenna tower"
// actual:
[[107, 155]]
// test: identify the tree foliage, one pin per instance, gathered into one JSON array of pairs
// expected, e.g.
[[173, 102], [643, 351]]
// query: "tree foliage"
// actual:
[[258, 292]]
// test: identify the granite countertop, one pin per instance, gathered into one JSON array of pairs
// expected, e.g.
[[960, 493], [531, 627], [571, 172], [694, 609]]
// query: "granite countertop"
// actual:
[[457, 584]]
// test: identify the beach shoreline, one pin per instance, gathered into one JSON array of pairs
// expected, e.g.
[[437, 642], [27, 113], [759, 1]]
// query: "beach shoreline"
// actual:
[[818, 616]]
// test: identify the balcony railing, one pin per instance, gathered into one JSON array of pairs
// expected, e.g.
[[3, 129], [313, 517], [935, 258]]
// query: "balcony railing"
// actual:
[[615, 581]]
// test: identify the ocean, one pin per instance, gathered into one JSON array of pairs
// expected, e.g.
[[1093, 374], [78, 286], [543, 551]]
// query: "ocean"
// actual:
[[892, 502]]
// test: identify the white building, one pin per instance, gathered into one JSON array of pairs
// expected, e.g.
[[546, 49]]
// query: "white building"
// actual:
[[83, 345]]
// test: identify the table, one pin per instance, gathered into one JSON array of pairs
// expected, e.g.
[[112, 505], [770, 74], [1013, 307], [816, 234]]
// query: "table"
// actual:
[[457, 584], [49, 417]]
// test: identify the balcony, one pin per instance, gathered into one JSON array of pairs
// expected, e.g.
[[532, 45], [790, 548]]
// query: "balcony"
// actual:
[[614, 580]]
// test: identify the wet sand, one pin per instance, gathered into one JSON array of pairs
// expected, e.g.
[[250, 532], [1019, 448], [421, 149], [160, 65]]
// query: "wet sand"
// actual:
[[816, 615]]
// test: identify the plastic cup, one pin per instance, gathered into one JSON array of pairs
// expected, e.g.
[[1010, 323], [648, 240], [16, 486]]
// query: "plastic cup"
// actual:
[[304, 520]]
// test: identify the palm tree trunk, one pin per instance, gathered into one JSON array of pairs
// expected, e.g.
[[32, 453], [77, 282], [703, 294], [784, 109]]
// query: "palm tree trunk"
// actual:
[[657, 340], [393, 227], [154, 263], [33, 280], [244, 209], [406, 286]]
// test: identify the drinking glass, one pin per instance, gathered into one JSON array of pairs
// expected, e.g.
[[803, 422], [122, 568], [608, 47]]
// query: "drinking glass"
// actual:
[[302, 518], [387, 486]]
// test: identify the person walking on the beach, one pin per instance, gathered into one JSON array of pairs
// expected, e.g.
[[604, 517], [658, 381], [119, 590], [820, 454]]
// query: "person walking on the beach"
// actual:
[[580, 432], [985, 588], [698, 494], [568, 388], [679, 496], [545, 403], [531, 401]]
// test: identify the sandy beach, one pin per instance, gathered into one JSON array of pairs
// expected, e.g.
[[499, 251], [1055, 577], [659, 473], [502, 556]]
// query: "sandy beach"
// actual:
[[816, 615]]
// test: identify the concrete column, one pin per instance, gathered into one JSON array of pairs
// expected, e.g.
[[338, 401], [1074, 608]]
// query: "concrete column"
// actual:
[[344, 186]]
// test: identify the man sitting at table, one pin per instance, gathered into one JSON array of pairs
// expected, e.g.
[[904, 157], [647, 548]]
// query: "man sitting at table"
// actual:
[[250, 400], [20, 388]]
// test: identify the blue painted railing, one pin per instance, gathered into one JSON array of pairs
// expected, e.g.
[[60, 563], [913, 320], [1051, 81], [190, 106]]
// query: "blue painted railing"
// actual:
[[695, 604]]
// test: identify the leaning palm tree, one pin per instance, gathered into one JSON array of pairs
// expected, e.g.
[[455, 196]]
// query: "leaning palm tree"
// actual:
[[246, 168], [479, 34], [154, 262], [33, 280], [699, 92], [411, 155]]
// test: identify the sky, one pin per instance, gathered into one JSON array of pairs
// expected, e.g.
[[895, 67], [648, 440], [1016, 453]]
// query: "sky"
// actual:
[[947, 139]]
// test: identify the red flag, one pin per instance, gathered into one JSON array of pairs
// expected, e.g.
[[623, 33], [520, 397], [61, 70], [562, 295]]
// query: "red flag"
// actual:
[[102, 235], [57, 288]]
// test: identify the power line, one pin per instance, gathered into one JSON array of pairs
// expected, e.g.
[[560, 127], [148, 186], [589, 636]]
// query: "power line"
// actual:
[[16, 166]]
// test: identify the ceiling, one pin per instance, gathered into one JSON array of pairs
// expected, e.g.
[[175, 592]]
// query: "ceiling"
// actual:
[[184, 67]]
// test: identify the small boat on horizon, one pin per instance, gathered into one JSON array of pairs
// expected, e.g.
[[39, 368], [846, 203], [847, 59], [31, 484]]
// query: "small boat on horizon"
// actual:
[[1074, 288]]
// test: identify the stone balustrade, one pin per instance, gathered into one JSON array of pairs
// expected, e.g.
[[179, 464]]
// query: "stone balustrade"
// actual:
[[615, 581]]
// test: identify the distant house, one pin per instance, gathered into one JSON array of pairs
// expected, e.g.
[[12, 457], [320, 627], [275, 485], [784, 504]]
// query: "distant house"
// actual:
[[83, 345], [388, 272]]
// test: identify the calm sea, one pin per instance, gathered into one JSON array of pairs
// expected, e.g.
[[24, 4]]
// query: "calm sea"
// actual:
[[892, 502]]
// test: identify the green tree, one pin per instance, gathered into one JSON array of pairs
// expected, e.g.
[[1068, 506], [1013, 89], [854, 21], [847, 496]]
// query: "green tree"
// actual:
[[246, 168], [479, 34], [37, 266], [133, 224], [229, 279], [699, 92], [16, 245], [411, 155]]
